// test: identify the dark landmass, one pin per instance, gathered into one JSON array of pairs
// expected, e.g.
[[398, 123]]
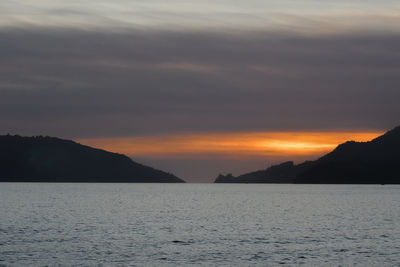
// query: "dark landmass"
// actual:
[[49, 159], [373, 162]]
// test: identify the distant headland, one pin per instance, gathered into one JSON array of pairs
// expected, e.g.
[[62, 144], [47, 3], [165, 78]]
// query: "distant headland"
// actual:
[[50, 159], [373, 162]]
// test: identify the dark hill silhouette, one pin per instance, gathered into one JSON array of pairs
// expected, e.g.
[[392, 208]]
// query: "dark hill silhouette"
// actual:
[[282, 173], [373, 162], [49, 159]]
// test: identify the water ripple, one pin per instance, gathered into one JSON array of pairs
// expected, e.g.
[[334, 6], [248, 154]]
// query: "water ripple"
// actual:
[[217, 225]]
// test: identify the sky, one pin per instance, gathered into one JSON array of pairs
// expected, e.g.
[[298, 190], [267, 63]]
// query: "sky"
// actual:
[[199, 88]]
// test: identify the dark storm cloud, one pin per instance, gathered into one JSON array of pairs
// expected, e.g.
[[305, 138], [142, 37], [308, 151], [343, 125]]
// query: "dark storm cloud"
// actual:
[[85, 83]]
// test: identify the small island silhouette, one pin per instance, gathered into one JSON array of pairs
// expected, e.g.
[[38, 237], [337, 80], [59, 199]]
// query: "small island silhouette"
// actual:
[[50, 159], [373, 162]]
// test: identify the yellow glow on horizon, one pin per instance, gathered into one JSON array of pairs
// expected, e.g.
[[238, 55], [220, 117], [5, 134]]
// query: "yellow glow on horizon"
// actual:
[[230, 145]]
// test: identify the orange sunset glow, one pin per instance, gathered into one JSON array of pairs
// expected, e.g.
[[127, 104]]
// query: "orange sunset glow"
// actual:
[[230, 145]]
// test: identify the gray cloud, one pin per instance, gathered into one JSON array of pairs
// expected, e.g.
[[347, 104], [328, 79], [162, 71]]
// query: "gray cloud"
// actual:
[[303, 16], [76, 83]]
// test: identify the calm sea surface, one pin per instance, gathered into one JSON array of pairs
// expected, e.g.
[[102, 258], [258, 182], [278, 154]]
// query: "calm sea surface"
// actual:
[[193, 224]]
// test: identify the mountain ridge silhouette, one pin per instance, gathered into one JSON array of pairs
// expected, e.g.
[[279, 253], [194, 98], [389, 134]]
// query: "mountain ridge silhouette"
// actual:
[[51, 159], [373, 162]]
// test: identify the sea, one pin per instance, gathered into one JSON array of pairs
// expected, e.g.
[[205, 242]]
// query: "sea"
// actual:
[[71, 224]]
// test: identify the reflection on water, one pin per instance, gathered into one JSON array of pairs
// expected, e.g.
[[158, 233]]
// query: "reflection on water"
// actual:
[[216, 224]]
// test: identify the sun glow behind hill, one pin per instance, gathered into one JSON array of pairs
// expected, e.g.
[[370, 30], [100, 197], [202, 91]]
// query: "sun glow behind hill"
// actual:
[[230, 145]]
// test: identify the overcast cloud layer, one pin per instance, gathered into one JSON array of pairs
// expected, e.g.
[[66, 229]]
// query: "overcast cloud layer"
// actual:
[[99, 68], [303, 15], [78, 83]]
